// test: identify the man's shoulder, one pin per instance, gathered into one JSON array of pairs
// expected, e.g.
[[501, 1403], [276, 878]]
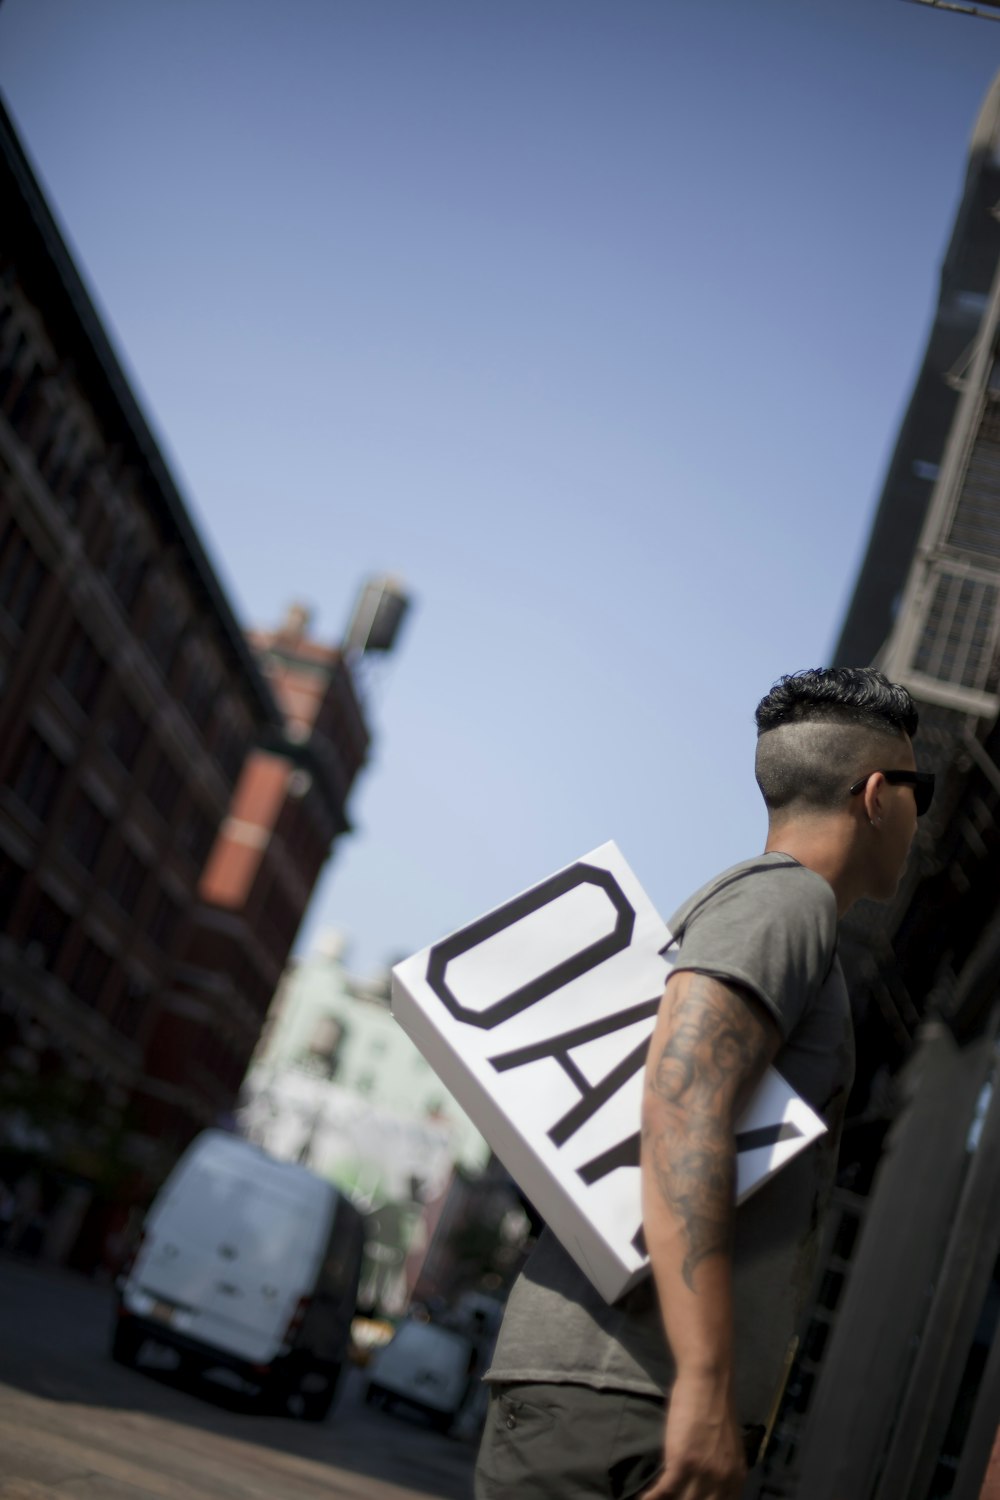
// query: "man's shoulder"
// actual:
[[761, 880]]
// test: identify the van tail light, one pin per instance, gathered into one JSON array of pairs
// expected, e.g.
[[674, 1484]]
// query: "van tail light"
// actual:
[[297, 1319]]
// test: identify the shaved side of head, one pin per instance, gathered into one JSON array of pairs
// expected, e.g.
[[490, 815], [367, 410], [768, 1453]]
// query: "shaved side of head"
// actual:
[[808, 766]]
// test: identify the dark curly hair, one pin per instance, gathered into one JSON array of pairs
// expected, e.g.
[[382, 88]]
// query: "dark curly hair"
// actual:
[[848, 695], [819, 731]]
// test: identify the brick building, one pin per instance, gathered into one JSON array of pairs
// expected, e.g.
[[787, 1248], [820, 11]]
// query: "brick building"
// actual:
[[169, 789], [286, 811], [129, 699]]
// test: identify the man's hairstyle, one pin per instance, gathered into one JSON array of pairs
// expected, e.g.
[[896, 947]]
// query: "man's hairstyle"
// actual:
[[820, 730]]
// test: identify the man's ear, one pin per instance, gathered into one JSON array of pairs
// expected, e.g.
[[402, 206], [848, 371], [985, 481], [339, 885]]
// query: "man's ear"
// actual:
[[875, 798]]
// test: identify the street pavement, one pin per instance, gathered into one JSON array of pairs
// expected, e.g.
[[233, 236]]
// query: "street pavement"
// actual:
[[75, 1426]]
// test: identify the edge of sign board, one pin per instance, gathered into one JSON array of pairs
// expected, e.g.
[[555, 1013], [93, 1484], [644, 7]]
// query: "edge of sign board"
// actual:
[[512, 1147]]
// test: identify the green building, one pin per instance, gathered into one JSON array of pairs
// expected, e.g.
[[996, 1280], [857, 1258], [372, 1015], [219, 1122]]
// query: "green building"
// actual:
[[337, 1085]]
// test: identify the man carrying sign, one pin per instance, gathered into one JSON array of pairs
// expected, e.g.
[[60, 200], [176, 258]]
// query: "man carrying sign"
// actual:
[[577, 1385]]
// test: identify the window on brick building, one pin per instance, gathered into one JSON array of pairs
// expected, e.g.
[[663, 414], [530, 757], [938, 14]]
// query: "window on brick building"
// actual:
[[21, 575], [86, 831], [90, 973], [46, 931], [163, 921], [36, 776], [96, 524], [280, 917], [164, 785], [163, 632], [230, 749], [64, 481], [253, 986], [28, 405], [125, 732], [126, 879], [125, 567], [196, 834], [73, 486], [12, 368], [198, 696], [12, 876], [81, 669], [60, 460], [128, 1007]]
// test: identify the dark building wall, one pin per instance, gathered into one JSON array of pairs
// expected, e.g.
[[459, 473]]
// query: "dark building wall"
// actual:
[[128, 701], [966, 278], [169, 790], [896, 1391]]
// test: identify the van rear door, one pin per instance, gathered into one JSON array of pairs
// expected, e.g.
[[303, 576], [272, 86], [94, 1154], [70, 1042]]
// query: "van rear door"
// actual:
[[232, 1247]]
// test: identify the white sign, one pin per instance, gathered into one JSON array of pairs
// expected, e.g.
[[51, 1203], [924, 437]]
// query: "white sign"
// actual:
[[537, 1017]]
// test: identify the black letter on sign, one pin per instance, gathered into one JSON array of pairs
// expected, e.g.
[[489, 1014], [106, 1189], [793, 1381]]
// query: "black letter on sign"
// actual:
[[766, 1135], [505, 916], [559, 1048], [625, 1154]]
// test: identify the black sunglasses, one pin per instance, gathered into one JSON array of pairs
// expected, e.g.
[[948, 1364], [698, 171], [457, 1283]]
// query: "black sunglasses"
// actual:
[[922, 783]]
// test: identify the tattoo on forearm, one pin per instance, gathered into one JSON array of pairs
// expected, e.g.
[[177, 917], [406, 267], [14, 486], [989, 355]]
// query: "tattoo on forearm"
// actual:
[[715, 1042]]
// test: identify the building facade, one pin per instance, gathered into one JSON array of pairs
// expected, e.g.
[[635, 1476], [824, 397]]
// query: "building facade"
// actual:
[[129, 700], [169, 788], [896, 1391], [967, 274]]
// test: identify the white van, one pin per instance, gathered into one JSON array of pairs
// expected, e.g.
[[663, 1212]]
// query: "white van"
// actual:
[[426, 1366], [248, 1264]]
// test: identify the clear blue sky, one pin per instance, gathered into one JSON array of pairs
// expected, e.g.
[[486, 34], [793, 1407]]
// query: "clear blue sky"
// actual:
[[592, 319]]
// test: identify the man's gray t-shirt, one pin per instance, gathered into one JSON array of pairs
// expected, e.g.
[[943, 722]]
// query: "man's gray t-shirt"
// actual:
[[770, 926]]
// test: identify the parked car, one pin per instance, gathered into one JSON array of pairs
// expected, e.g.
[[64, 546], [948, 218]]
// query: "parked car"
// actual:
[[246, 1264], [428, 1367]]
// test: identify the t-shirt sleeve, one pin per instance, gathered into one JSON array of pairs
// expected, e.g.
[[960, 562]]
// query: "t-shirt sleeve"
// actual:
[[772, 931]]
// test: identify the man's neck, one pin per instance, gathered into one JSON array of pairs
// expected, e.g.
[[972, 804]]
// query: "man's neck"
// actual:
[[820, 844]]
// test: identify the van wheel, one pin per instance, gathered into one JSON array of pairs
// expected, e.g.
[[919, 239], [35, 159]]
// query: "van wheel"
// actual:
[[273, 1396], [125, 1343], [315, 1405], [189, 1369]]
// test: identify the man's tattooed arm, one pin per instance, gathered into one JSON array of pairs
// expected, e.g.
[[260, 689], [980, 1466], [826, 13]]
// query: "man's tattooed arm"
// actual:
[[711, 1046]]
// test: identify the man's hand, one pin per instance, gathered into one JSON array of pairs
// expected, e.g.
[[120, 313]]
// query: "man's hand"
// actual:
[[703, 1447]]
